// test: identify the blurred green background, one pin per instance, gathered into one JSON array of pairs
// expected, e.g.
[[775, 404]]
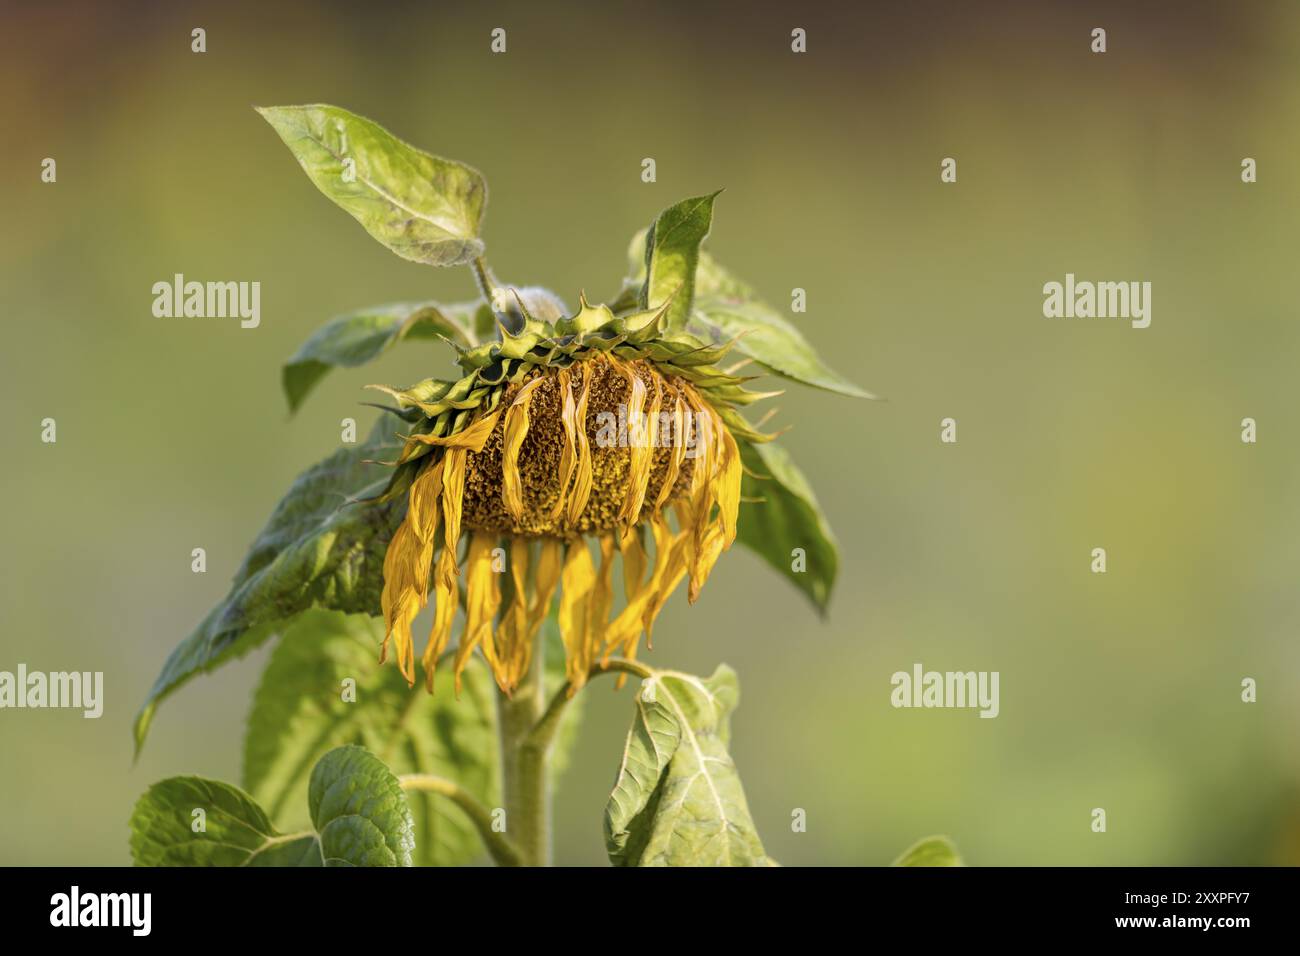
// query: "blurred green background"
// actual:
[[1118, 691]]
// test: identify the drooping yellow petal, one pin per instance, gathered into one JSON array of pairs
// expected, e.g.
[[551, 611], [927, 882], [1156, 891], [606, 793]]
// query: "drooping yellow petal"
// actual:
[[702, 470], [399, 617], [729, 487], [453, 492], [678, 447], [482, 599], [642, 445], [401, 598], [577, 580], [641, 607], [602, 597], [713, 545], [550, 562], [509, 644], [582, 478], [509, 651], [397, 576], [670, 566], [569, 454], [446, 600], [704, 491], [634, 561], [514, 432], [472, 438], [422, 511]]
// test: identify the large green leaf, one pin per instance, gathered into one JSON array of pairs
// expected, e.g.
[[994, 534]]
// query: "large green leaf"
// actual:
[[424, 208], [359, 811], [299, 712], [932, 851], [319, 549], [234, 830], [726, 308], [361, 336], [672, 249], [779, 513], [678, 800]]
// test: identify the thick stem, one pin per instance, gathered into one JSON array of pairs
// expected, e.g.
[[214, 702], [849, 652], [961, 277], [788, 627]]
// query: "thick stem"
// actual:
[[528, 725], [524, 775]]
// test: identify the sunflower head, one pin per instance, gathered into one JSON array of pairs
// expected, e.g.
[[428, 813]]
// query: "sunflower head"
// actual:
[[585, 462], [567, 442]]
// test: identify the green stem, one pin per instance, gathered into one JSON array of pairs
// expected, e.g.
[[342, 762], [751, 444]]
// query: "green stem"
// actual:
[[503, 851], [543, 732], [487, 282], [523, 766], [528, 726]]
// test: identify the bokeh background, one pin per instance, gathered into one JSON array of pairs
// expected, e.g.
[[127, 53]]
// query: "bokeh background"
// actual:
[[1118, 691]]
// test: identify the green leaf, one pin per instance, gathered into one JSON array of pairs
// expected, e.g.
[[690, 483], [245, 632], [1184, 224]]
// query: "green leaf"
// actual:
[[932, 851], [778, 513], [359, 810], [320, 548], [725, 307], [359, 337], [424, 208], [672, 250], [678, 800], [299, 713], [234, 832]]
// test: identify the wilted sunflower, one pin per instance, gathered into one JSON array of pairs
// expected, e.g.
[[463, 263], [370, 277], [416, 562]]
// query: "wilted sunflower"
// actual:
[[568, 441]]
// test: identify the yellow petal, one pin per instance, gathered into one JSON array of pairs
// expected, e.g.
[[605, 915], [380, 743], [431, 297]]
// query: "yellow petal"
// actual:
[[401, 550], [569, 455], [503, 650], [713, 545], [453, 493], [678, 447], [641, 453], [482, 599], [602, 598], [513, 434], [705, 456], [576, 583], [582, 478], [399, 632], [422, 510], [670, 566], [634, 561], [472, 438], [704, 492], [446, 598], [401, 598], [729, 487], [626, 628], [549, 567]]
